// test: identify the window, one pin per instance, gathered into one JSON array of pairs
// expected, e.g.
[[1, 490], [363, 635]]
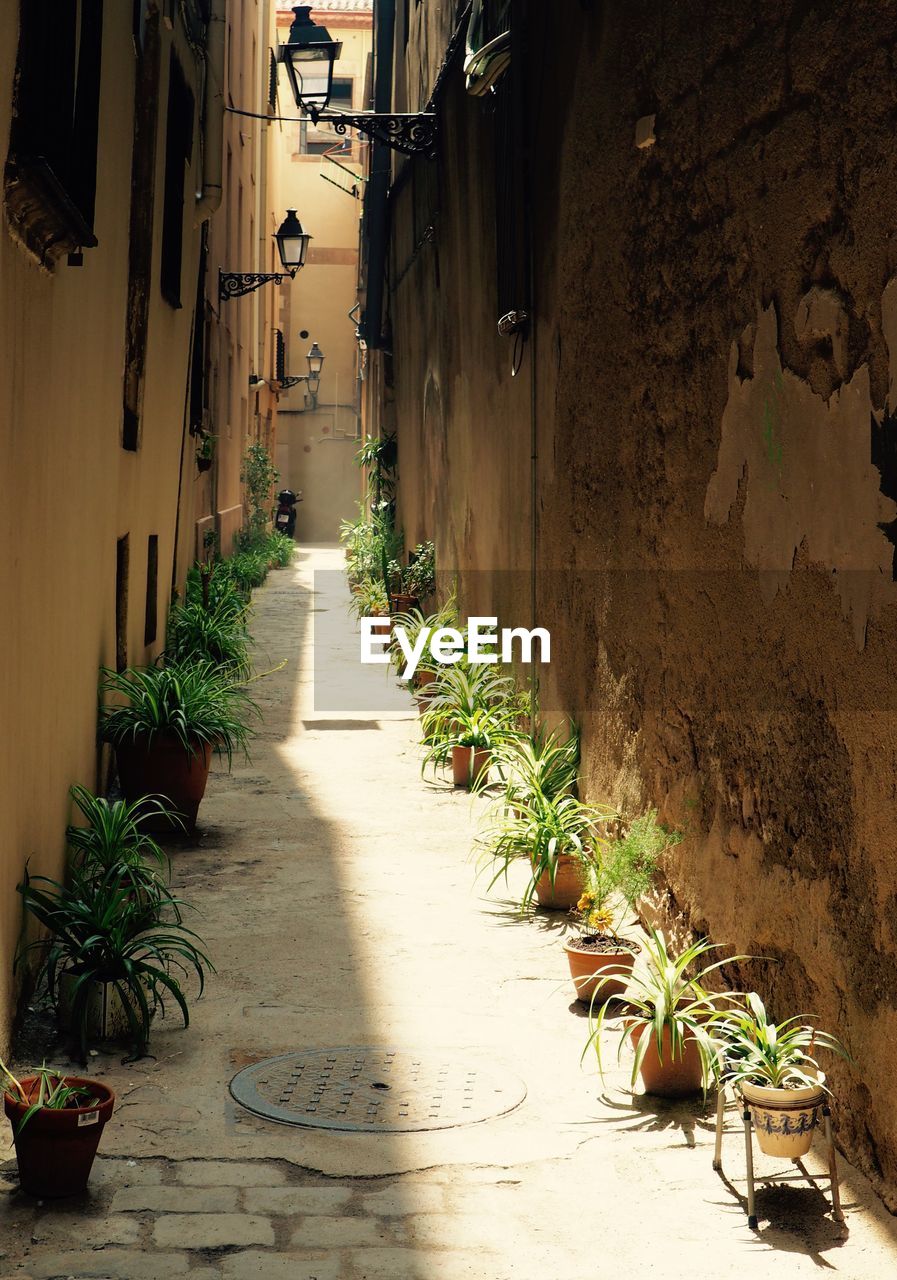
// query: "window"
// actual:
[[178, 150], [121, 603], [51, 171], [152, 589]]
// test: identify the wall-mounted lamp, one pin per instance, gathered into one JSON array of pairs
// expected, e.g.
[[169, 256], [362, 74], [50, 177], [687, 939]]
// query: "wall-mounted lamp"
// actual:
[[292, 245], [315, 361], [309, 55]]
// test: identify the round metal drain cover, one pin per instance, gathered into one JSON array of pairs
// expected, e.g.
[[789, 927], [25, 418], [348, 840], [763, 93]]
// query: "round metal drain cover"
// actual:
[[374, 1090]]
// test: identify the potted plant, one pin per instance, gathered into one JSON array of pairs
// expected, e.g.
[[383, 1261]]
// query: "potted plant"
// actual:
[[215, 632], [557, 836], [539, 766], [111, 952], [668, 1009], [172, 717], [614, 881], [205, 451], [773, 1066], [409, 586], [57, 1121], [370, 600], [114, 840], [472, 710]]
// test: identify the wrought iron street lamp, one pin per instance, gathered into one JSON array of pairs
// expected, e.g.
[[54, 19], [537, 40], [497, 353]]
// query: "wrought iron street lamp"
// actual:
[[292, 246], [315, 361], [309, 55]]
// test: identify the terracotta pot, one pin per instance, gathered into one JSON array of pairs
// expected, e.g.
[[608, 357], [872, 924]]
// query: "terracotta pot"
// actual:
[[164, 768], [587, 967], [666, 1076], [55, 1149], [423, 701], [569, 882], [401, 602], [784, 1119], [468, 765], [423, 678]]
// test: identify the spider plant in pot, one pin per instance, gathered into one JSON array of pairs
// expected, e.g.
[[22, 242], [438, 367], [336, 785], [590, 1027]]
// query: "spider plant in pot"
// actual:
[[542, 766], [170, 720], [370, 600], [471, 713], [214, 633], [615, 880], [668, 1010], [557, 839], [773, 1066], [114, 841], [101, 937], [57, 1121]]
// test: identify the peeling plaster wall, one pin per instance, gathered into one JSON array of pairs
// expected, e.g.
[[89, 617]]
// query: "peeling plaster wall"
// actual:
[[715, 347]]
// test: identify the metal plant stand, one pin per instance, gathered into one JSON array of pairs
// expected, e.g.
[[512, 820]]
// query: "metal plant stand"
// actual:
[[837, 1212]]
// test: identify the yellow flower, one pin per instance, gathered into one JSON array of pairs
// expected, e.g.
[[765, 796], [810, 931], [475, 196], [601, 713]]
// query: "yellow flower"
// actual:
[[585, 902]]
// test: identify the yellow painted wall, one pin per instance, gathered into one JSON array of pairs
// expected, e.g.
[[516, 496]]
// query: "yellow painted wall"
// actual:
[[69, 490]]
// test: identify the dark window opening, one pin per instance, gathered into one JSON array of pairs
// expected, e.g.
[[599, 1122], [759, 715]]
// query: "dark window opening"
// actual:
[[178, 150], [121, 603], [51, 171], [152, 589]]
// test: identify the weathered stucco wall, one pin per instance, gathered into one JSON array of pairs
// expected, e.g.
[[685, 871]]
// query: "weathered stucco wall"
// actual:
[[715, 357]]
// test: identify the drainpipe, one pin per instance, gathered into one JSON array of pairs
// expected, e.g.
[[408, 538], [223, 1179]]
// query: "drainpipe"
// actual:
[[376, 202], [208, 199]]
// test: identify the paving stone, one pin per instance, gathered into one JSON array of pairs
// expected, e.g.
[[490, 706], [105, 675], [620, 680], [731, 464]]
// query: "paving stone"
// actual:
[[69, 1228], [255, 1265], [126, 1173], [229, 1173], [107, 1264], [415, 1264], [211, 1230], [466, 1231], [336, 1233], [295, 1200], [405, 1199], [175, 1200]]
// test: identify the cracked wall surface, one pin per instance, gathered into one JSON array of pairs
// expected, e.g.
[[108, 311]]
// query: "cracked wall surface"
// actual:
[[715, 340]]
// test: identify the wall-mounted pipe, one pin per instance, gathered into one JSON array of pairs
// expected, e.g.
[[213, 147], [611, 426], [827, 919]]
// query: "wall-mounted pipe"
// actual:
[[210, 195]]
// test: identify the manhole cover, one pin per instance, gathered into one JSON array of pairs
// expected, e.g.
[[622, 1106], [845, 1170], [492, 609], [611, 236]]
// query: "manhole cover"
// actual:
[[375, 1090]]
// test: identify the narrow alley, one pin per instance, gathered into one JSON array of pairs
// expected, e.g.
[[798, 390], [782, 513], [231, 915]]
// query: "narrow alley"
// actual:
[[339, 901]]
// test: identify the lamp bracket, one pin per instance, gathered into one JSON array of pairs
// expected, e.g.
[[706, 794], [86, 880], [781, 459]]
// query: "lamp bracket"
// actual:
[[284, 384], [233, 284], [411, 133]]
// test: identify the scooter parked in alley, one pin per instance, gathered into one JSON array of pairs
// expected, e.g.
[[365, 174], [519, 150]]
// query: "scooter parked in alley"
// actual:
[[285, 519]]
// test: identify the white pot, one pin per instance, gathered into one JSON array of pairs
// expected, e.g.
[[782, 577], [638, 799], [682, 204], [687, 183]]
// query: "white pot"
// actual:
[[106, 1016], [784, 1119]]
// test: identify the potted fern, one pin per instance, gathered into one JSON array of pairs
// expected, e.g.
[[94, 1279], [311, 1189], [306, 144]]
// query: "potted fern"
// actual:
[[57, 1121]]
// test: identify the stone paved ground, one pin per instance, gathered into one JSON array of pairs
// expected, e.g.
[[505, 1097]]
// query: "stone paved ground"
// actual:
[[339, 901]]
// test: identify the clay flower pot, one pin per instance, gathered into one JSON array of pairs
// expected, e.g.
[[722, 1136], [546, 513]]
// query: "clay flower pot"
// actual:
[[569, 882], [468, 764], [162, 767], [55, 1149], [588, 966], [784, 1119], [401, 602], [666, 1076]]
